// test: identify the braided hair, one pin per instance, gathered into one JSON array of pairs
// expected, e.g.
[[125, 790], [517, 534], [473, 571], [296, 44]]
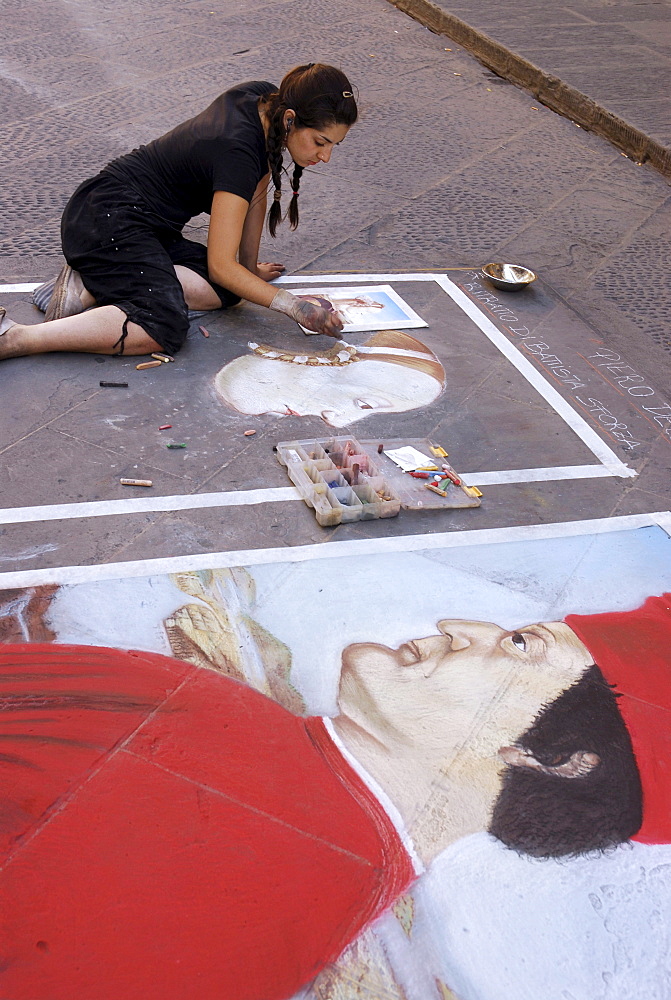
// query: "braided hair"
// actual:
[[320, 96]]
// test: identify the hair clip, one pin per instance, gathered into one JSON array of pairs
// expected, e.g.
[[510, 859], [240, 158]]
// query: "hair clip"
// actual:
[[296, 191], [278, 194], [347, 93]]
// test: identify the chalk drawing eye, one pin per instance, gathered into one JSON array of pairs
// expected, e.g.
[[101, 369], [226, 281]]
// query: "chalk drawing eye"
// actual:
[[518, 640], [363, 405]]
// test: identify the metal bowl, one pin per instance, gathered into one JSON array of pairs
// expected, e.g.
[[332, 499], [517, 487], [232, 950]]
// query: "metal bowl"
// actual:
[[509, 277]]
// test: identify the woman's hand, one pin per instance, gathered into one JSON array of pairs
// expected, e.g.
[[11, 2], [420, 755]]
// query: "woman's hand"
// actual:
[[269, 271], [318, 320], [310, 316]]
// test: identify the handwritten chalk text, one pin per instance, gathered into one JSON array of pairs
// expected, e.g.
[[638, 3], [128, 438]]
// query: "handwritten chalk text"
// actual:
[[605, 361], [616, 427], [622, 373]]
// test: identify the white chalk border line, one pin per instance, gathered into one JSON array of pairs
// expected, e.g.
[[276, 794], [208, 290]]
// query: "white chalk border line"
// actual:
[[62, 575], [235, 498], [610, 464], [614, 465]]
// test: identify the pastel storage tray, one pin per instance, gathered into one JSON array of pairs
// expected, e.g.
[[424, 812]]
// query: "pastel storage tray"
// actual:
[[348, 480]]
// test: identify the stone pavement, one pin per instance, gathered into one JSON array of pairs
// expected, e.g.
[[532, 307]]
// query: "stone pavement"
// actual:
[[557, 401], [603, 63], [450, 166]]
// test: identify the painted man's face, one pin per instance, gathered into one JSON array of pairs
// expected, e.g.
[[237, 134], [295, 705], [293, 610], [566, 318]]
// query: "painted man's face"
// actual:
[[473, 682]]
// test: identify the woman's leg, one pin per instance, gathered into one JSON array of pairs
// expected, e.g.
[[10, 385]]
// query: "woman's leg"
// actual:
[[152, 286], [198, 293], [190, 263], [135, 303], [98, 331]]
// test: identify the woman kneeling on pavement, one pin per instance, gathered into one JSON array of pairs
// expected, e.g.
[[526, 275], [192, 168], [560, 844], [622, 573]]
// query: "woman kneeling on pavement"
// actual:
[[131, 277]]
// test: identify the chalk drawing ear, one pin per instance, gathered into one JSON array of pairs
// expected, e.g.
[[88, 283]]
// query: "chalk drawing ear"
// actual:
[[579, 764]]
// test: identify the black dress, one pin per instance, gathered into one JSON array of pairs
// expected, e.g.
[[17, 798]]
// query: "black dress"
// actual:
[[122, 230]]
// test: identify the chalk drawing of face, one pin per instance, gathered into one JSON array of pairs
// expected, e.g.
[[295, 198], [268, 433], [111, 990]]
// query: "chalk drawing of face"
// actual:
[[437, 691], [352, 309], [449, 710], [391, 373]]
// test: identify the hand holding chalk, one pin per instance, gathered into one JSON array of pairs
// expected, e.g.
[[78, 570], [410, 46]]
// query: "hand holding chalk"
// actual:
[[307, 314]]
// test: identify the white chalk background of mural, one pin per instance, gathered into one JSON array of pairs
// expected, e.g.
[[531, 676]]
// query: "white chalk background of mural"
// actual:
[[490, 923]]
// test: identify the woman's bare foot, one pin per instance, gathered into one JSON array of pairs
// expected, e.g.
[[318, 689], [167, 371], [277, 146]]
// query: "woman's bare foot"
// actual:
[[8, 340], [5, 322]]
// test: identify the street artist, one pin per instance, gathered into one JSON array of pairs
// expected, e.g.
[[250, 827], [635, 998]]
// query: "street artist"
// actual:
[[131, 277]]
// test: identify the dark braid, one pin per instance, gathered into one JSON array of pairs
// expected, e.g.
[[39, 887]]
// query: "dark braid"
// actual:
[[293, 205], [274, 145], [319, 96]]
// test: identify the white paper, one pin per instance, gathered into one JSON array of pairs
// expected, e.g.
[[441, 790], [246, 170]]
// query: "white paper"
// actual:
[[365, 307], [409, 458]]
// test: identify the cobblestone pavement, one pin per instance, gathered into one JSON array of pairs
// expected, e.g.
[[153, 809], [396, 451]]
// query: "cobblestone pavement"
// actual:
[[616, 54], [450, 166]]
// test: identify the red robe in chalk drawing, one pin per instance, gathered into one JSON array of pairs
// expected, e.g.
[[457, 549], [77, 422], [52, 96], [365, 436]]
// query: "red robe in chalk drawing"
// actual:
[[169, 834]]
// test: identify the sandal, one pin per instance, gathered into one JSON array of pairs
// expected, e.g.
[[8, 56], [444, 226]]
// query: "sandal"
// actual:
[[66, 299], [42, 294]]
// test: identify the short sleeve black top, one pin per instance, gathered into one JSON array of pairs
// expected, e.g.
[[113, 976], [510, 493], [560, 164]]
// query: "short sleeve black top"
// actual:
[[221, 149]]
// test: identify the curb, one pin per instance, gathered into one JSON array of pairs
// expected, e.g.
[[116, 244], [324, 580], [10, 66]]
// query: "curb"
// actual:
[[548, 89]]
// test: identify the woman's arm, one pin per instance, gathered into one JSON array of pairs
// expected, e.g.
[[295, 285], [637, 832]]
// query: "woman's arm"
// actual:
[[236, 226], [230, 235], [248, 253]]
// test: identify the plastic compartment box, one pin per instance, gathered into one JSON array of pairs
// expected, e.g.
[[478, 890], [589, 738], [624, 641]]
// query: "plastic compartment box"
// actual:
[[348, 480]]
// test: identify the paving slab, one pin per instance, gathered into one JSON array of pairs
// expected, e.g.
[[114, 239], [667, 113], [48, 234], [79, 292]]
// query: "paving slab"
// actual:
[[557, 397], [490, 418], [450, 166], [598, 63]]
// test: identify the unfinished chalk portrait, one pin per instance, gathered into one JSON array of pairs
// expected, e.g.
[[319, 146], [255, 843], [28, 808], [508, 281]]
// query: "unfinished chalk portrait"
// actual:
[[391, 373]]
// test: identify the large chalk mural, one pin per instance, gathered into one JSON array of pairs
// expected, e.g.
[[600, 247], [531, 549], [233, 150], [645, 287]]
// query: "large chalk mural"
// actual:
[[400, 776]]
